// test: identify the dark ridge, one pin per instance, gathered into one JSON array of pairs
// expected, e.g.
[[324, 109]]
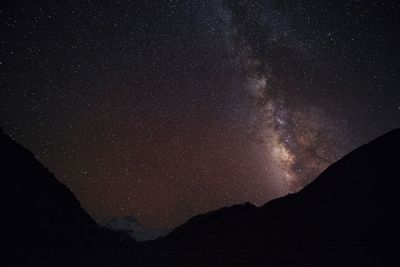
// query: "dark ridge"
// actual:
[[352, 203], [215, 219], [42, 211], [348, 216]]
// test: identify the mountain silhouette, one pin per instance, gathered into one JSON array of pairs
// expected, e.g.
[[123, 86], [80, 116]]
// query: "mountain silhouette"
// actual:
[[347, 216], [353, 203], [42, 211]]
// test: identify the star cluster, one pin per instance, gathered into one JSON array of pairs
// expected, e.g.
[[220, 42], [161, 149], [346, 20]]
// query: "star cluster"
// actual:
[[166, 109]]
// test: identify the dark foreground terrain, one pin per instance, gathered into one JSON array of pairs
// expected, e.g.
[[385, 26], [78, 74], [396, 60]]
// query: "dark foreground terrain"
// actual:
[[131, 257], [348, 216]]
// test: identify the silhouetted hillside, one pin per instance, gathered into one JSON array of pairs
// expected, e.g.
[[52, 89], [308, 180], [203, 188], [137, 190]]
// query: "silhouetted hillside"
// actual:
[[347, 216], [42, 211], [353, 203]]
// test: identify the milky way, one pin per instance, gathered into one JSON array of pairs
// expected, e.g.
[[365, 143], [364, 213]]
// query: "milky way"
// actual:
[[297, 136], [166, 109]]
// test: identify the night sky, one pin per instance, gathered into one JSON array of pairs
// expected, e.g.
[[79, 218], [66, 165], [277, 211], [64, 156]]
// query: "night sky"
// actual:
[[166, 109]]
